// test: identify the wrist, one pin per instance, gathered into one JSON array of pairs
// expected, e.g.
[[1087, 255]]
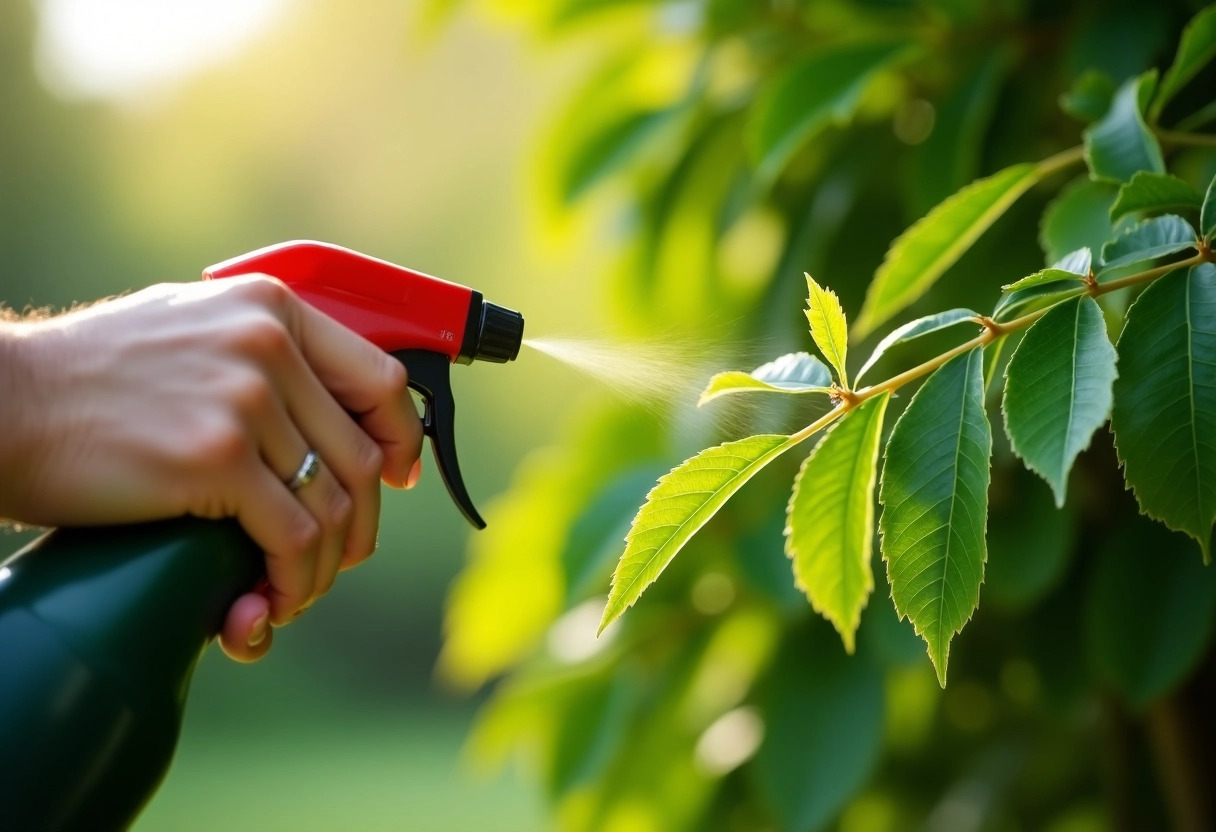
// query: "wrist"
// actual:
[[16, 419]]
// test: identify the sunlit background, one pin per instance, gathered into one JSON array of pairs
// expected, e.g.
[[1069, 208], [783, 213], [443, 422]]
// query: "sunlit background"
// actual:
[[143, 140]]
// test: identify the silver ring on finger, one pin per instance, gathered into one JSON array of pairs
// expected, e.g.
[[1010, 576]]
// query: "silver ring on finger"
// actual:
[[306, 473]]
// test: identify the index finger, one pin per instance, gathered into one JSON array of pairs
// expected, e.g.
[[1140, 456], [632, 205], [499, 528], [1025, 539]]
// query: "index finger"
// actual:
[[367, 382]]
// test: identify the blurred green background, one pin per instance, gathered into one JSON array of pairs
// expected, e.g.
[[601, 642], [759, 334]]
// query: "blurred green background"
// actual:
[[593, 163], [339, 122]]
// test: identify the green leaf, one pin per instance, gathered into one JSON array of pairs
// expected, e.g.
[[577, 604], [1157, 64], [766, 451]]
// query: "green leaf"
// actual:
[[1121, 143], [830, 527], [683, 501], [606, 151], [1154, 192], [1078, 218], [1150, 607], [1196, 47], [823, 734], [1164, 418], [1207, 217], [828, 327], [1089, 97], [915, 329], [934, 494], [797, 372], [923, 253], [1071, 266], [821, 89], [1149, 239], [1058, 390], [1022, 301]]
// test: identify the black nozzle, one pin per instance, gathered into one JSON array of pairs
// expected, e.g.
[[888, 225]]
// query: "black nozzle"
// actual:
[[502, 331], [491, 333]]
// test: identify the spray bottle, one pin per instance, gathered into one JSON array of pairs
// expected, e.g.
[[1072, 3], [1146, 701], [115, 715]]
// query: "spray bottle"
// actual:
[[101, 628]]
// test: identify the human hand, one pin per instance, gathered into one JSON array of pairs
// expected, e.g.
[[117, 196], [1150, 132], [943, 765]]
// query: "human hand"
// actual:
[[203, 399]]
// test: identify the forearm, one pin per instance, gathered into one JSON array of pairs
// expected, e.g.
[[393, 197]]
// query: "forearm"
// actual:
[[16, 384]]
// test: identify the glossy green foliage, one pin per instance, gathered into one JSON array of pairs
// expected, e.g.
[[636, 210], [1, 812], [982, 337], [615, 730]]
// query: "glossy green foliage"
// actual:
[[828, 327], [935, 503], [915, 329], [1164, 417], [1154, 192], [798, 372], [682, 502], [822, 89], [1058, 390], [809, 138], [923, 253], [1148, 240], [1120, 145], [1196, 48], [830, 527]]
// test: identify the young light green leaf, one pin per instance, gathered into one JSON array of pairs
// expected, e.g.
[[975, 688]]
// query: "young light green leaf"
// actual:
[[1149, 239], [1207, 216], [1089, 97], [923, 253], [1022, 301], [934, 494], [797, 372], [830, 524], [1154, 192], [1078, 218], [1164, 417], [828, 327], [1196, 47], [824, 88], [1121, 143], [915, 329], [1071, 266], [1058, 390], [678, 506]]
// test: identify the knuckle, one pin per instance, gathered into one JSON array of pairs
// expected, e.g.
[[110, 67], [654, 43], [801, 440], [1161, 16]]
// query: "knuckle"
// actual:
[[225, 445], [265, 337], [369, 461], [252, 394], [270, 292], [394, 378], [340, 508], [303, 533]]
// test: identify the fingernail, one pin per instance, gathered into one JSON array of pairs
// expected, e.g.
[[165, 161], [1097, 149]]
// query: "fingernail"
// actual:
[[415, 472], [261, 628]]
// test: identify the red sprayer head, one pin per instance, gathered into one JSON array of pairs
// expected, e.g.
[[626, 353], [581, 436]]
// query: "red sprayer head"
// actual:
[[425, 322]]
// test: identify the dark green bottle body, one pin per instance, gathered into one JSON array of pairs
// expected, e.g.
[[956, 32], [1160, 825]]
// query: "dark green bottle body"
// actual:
[[100, 631]]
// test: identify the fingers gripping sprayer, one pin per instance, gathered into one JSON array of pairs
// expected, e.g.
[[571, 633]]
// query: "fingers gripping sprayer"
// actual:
[[100, 629]]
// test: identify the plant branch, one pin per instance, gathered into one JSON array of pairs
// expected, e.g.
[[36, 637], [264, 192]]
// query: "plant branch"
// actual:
[[1060, 160], [992, 331], [1192, 139]]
